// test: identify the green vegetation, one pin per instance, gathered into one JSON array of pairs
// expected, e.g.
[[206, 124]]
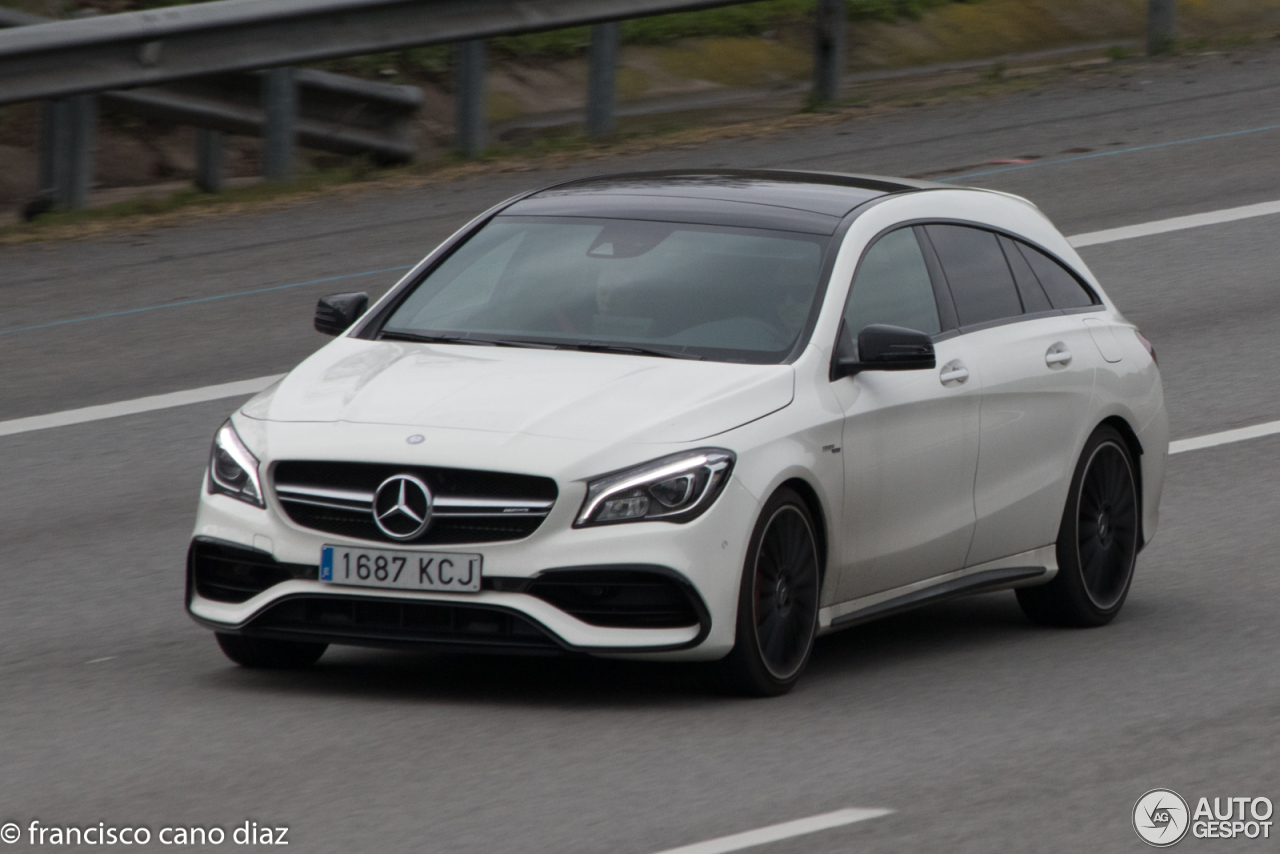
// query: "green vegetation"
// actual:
[[740, 21], [747, 19]]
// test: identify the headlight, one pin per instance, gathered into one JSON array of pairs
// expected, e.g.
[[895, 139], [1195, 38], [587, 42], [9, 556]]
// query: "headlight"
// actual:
[[233, 470], [677, 488]]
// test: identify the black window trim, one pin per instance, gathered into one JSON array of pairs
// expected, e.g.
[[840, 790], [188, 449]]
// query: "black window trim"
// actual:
[[995, 229], [947, 315]]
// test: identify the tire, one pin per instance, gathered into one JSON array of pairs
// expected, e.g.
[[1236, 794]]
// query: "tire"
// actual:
[[777, 601], [1097, 541], [270, 654]]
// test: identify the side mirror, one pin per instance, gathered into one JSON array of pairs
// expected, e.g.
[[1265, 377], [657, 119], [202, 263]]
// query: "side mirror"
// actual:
[[336, 312], [883, 348]]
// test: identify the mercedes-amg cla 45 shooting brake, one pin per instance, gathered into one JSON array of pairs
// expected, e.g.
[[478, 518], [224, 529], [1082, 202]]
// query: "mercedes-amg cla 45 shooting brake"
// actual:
[[692, 415]]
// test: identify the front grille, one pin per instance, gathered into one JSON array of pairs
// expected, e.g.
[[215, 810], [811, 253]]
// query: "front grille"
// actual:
[[227, 573], [470, 506], [636, 598], [393, 622]]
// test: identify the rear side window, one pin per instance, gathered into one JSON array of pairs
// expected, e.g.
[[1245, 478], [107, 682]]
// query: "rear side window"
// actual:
[[892, 286], [1063, 288], [1033, 296], [976, 271]]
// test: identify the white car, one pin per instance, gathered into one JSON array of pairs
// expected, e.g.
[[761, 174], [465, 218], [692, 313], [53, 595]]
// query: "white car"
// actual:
[[697, 416]]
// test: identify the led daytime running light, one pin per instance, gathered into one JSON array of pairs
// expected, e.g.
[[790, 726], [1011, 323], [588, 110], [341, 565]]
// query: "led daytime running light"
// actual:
[[631, 495], [228, 447]]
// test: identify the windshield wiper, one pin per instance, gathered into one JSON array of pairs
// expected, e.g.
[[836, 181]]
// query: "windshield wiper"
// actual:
[[424, 338], [631, 349], [585, 346], [387, 335]]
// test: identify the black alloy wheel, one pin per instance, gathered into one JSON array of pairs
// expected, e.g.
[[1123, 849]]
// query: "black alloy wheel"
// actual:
[[777, 602], [1097, 542]]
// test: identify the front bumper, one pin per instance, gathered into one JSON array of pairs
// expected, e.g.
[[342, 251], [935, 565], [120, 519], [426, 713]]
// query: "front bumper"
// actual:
[[703, 557]]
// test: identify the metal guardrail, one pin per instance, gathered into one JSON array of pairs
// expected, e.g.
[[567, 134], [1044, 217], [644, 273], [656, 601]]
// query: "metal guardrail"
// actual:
[[14, 18], [344, 115], [156, 46], [336, 113], [71, 58]]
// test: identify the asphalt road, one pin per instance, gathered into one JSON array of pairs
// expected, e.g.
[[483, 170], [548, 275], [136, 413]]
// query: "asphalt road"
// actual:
[[980, 731]]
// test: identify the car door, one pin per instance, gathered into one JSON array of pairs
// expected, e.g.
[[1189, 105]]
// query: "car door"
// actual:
[[1037, 366], [910, 441]]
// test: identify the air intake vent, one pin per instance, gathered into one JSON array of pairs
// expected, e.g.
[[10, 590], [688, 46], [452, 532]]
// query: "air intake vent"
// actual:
[[228, 573], [636, 598], [399, 623]]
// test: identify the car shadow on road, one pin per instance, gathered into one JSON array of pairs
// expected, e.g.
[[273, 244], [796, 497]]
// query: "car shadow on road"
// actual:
[[972, 625]]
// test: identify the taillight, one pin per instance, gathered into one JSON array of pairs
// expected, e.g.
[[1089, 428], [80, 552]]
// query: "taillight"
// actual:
[[1147, 346]]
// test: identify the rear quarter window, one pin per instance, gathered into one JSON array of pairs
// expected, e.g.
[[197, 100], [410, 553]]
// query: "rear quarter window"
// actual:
[[1033, 296], [1060, 285]]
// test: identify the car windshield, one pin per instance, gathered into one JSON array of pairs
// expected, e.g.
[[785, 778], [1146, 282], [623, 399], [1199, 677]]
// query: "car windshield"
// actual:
[[657, 288]]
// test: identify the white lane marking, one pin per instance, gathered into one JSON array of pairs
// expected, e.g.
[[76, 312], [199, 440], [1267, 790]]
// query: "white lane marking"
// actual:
[[133, 407], [775, 832], [100, 660], [1177, 223], [1226, 437]]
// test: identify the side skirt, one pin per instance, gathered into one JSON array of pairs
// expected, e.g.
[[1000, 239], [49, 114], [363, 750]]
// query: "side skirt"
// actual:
[[1028, 568]]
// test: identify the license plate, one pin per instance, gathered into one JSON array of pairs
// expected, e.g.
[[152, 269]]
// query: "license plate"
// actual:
[[437, 572]]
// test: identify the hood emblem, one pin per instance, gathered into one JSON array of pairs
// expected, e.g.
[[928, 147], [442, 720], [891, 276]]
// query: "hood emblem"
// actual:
[[402, 507], [416, 439]]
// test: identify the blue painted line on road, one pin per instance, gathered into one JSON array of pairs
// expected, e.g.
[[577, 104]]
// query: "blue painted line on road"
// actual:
[[1110, 153], [201, 299]]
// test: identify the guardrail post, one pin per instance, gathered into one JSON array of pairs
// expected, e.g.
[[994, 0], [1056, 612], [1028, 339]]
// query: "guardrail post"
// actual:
[[68, 137], [280, 140], [828, 50], [468, 93], [1161, 24], [602, 78], [209, 147], [50, 118]]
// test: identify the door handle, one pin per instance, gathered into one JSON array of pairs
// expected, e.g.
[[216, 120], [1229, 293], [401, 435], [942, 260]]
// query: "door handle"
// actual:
[[1058, 354], [954, 372]]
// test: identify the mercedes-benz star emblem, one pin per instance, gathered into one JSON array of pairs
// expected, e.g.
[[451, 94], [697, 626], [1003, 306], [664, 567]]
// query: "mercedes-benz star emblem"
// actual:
[[402, 507]]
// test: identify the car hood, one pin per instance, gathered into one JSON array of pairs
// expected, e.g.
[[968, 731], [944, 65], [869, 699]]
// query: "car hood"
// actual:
[[555, 393]]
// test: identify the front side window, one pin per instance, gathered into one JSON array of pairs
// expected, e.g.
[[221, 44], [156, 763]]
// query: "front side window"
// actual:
[[730, 294], [976, 272], [892, 286]]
